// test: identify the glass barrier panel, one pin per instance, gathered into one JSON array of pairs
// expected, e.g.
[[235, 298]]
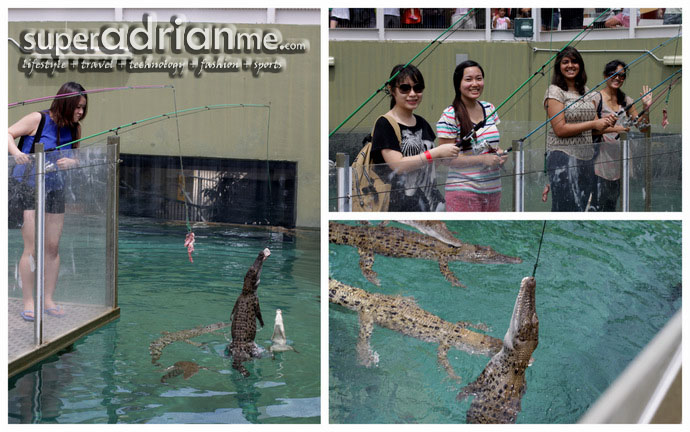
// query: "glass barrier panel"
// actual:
[[75, 242], [447, 184], [21, 195], [656, 173], [80, 285]]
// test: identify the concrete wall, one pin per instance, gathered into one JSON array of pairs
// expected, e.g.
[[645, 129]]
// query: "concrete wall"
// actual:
[[290, 134], [362, 67]]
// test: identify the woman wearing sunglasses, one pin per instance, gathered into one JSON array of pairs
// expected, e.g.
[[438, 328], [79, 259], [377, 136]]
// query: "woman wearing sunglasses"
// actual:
[[607, 161], [474, 182], [408, 162], [569, 147]]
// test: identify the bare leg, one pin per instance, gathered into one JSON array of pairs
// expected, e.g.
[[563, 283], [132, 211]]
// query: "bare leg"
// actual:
[[26, 261], [53, 232]]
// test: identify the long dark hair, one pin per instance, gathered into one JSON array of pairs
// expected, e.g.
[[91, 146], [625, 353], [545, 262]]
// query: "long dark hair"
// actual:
[[62, 109], [408, 71], [581, 78], [461, 114], [609, 70]]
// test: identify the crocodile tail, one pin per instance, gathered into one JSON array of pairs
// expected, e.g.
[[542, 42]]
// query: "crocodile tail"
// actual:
[[237, 364]]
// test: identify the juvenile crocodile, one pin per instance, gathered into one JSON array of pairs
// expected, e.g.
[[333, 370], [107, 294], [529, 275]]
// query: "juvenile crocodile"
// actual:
[[436, 229], [400, 243], [499, 389], [279, 340], [157, 346], [244, 315], [184, 368], [405, 316]]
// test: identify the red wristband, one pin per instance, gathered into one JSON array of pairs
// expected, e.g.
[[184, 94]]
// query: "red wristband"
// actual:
[[428, 156]]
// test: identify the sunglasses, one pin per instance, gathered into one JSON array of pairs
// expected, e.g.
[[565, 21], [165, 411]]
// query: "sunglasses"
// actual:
[[620, 76], [405, 88]]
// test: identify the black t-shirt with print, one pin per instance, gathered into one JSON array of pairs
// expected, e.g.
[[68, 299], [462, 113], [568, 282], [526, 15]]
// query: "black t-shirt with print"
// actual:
[[415, 190]]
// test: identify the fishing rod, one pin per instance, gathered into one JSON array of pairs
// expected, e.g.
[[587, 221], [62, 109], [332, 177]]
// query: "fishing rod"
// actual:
[[168, 115], [631, 121], [602, 82], [380, 89], [101, 90], [537, 72], [418, 64], [581, 97]]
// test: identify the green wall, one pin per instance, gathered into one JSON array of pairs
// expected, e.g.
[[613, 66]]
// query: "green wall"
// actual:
[[293, 95], [362, 67]]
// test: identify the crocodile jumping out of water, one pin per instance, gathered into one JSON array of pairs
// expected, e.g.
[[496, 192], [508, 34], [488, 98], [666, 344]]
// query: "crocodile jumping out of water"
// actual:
[[499, 388], [157, 346], [400, 243], [244, 315], [405, 316]]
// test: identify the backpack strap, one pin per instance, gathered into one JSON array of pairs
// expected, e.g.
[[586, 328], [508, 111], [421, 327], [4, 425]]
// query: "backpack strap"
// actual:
[[599, 105], [396, 127], [37, 136]]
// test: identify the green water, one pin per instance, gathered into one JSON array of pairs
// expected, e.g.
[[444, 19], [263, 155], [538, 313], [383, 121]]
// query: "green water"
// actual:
[[604, 289], [108, 377]]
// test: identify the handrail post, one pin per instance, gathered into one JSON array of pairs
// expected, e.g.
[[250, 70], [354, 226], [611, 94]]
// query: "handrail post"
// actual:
[[344, 178], [111, 249], [625, 172], [519, 177], [39, 242]]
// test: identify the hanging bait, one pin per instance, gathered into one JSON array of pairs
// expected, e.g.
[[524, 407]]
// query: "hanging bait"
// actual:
[[189, 244]]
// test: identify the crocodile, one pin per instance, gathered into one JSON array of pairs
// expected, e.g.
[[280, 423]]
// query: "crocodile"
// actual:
[[156, 347], [185, 368], [244, 315], [400, 243], [434, 228], [499, 388], [279, 340], [402, 314]]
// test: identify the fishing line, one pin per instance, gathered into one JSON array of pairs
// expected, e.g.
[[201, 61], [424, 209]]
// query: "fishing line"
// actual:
[[539, 71], [368, 113], [101, 90], [526, 173], [446, 38], [395, 75], [543, 228], [654, 100], [597, 86], [168, 115]]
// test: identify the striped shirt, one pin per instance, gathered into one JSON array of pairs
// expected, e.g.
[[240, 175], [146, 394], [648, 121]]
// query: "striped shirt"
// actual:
[[477, 179]]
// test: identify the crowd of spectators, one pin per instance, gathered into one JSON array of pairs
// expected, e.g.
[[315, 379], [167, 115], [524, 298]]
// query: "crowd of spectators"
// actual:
[[501, 18]]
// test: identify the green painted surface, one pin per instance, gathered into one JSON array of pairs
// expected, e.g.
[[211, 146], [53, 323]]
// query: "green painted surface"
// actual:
[[238, 133], [362, 67]]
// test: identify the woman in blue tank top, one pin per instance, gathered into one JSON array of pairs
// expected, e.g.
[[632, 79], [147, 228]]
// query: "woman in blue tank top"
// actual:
[[56, 126]]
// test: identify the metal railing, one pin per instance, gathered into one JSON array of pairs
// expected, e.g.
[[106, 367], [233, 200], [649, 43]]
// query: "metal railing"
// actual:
[[649, 170]]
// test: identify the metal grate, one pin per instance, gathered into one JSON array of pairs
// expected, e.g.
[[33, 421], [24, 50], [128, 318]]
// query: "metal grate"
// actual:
[[21, 333]]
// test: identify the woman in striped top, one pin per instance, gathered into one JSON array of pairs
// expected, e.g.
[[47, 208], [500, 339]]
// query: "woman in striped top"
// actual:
[[474, 182]]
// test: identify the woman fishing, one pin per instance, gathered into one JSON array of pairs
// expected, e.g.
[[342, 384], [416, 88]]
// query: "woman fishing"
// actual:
[[607, 161], [54, 127], [570, 151], [409, 161], [474, 182]]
